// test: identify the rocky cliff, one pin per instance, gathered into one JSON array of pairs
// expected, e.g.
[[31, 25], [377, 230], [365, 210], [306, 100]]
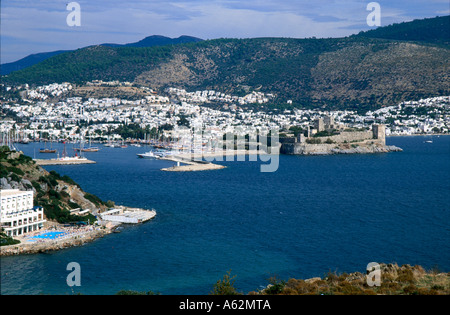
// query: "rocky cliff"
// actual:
[[55, 193]]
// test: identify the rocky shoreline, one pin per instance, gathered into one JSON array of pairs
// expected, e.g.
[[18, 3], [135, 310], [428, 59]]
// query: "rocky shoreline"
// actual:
[[363, 150], [53, 245], [330, 149]]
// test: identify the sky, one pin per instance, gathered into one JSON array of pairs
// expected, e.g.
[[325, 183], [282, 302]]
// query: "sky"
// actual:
[[29, 27]]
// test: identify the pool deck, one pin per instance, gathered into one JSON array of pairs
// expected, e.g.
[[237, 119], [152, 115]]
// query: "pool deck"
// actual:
[[49, 240]]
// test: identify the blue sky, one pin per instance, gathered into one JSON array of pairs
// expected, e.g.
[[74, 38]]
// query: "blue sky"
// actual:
[[40, 26]]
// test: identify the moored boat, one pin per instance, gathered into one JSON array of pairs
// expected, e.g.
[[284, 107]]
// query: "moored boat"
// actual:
[[147, 155]]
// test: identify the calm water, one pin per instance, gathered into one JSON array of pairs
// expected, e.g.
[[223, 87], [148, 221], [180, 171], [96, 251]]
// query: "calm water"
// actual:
[[314, 215]]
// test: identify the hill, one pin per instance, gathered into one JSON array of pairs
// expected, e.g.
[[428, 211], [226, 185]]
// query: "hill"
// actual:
[[158, 40], [150, 41], [357, 73], [432, 30], [28, 61], [394, 280]]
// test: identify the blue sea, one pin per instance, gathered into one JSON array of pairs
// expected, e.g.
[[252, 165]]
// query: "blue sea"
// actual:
[[314, 215]]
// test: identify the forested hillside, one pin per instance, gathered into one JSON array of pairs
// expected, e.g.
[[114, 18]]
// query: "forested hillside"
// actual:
[[359, 72]]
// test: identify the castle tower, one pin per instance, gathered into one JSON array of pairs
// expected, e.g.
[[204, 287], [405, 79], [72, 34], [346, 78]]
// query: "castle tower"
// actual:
[[329, 122], [319, 125], [379, 132]]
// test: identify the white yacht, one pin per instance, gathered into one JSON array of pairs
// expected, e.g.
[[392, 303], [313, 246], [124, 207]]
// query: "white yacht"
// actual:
[[147, 155]]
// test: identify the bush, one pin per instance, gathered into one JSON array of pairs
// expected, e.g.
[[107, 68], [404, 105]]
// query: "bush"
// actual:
[[74, 205], [410, 289], [314, 141], [15, 178], [36, 185], [64, 194], [6, 240], [69, 180], [15, 170], [25, 159], [406, 276], [275, 287], [54, 194], [94, 199], [225, 286]]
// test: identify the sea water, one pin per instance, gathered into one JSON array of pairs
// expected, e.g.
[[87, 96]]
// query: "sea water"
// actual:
[[316, 214]]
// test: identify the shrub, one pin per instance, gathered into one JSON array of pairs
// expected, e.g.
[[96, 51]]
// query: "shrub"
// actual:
[[69, 180], [6, 240], [25, 159], [36, 185], [294, 286], [54, 194], [74, 205], [225, 286], [110, 204], [314, 141], [64, 194], [15, 170], [406, 276], [94, 199], [14, 177], [3, 172], [410, 289], [275, 287]]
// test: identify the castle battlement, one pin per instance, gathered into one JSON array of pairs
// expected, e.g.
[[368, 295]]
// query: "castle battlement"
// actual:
[[359, 141]]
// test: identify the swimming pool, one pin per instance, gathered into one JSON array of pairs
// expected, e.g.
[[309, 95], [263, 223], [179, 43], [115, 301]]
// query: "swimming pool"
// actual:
[[49, 235]]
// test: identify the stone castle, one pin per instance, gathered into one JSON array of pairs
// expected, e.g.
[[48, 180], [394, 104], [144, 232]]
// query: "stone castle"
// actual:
[[329, 137]]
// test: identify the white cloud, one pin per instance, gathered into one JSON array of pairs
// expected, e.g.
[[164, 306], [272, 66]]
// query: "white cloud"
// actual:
[[38, 26]]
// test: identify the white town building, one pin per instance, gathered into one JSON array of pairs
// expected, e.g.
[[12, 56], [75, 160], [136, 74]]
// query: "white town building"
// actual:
[[17, 214]]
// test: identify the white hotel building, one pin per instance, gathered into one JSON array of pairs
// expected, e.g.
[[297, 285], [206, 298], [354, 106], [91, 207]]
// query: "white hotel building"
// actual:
[[17, 214]]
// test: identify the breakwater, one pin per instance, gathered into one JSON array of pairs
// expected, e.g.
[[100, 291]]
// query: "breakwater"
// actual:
[[44, 162], [328, 149]]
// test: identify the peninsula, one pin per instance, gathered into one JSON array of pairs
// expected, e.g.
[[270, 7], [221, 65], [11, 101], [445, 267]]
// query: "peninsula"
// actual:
[[43, 211]]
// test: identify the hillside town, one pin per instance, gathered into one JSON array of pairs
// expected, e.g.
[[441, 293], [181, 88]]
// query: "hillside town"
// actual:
[[51, 111]]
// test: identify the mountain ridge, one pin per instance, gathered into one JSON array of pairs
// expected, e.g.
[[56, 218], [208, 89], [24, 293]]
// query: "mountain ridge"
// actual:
[[359, 72], [149, 41]]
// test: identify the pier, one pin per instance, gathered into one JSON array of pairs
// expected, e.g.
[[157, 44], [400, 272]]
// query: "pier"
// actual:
[[190, 165], [44, 162], [193, 161], [128, 215]]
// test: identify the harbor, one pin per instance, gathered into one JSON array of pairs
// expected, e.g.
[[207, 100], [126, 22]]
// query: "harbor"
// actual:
[[201, 213]]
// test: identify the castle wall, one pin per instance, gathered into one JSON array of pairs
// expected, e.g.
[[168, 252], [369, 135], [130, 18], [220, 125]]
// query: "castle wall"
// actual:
[[349, 136], [376, 137]]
